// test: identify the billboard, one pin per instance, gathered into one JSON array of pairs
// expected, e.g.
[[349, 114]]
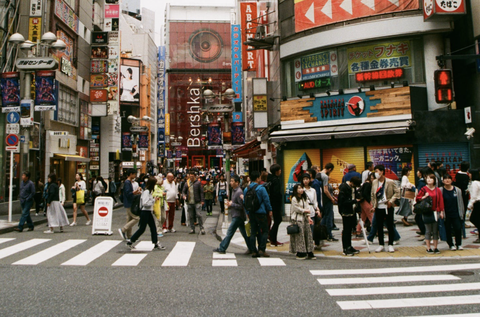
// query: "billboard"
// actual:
[[249, 22], [200, 45], [296, 163], [394, 158], [10, 85], [237, 62], [45, 88], [129, 83], [313, 13]]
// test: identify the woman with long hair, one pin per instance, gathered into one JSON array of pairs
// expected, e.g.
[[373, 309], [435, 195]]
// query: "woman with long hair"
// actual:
[[146, 216], [405, 204], [61, 191], [56, 215], [474, 203], [301, 243], [79, 185]]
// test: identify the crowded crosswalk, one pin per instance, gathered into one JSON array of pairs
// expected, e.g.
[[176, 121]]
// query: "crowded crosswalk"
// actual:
[[44, 250], [384, 288]]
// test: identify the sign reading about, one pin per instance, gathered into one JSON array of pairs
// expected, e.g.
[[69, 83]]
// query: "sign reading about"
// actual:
[[36, 63]]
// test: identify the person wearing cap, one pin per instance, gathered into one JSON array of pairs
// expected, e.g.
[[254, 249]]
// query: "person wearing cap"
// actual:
[[352, 172]]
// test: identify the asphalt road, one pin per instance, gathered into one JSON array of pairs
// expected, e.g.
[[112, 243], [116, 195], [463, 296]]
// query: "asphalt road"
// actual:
[[150, 288]]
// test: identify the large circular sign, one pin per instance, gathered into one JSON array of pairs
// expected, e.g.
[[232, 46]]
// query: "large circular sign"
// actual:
[[356, 106], [103, 211], [11, 140], [428, 7], [449, 6], [205, 45]]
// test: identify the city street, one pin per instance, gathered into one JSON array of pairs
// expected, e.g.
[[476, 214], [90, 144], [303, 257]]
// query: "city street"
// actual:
[[74, 273]]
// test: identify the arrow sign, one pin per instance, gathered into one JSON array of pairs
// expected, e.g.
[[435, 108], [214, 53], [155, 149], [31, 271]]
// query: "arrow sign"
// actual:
[[13, 117], [11, 140]]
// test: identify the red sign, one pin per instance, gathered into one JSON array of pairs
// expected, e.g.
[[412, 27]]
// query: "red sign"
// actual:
[[376, 75], [443, 7], [312, 13], [103, 211], [98, 95], [112, 11], [249, 22]]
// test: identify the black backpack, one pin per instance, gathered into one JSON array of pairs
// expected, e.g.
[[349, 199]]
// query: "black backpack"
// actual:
[[251, 201], [135, 208]]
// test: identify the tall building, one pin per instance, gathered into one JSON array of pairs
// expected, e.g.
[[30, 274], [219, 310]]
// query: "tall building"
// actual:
[[198, 57]]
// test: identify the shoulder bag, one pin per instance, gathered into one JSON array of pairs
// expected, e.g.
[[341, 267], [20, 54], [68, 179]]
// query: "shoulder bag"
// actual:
[[424, 206], [293, 228]]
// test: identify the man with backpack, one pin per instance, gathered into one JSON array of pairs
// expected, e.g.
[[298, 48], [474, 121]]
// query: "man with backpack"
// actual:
[[130, 190], [257, 204]]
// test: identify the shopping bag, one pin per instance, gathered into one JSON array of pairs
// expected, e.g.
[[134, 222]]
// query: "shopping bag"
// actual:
[[80, 194], [157, 209], [248, 229]]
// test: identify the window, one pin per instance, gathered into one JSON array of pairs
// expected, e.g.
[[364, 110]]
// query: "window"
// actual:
[[67, 106]]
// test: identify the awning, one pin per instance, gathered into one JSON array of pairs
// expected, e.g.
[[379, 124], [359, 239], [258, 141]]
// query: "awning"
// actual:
[[73, 158], [245, 149], [341, 131]]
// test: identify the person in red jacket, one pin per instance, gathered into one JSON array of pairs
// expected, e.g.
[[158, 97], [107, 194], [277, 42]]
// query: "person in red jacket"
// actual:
[[431, 218]]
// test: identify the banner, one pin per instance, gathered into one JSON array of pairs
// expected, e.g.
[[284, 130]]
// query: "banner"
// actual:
[[379, 56], [34, 29], [320, 65], [249, 21], [214, 134], [238, 133], [45, 88], [143, 142], [10, 85], [313, 13], [296, 163], [394, 158], [161, 101], [126, 141], [129, 83], [237, 62]]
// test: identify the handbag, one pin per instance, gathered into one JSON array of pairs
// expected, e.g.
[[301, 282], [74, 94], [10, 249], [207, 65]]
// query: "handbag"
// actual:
[[156, 209], [80, 197], [293, 228], [425, 205]]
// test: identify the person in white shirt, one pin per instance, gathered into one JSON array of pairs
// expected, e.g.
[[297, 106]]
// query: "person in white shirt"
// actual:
[[61, 192], [171, 192], [367, 171]]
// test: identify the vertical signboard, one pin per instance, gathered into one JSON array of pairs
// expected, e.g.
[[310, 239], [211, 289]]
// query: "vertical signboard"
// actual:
[[34, 29], [237, 62], [248, 16], [161, 101]]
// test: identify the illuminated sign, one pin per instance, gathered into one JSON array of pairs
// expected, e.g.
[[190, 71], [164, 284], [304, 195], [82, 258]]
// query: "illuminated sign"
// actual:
[[312, 84], [379, 75]]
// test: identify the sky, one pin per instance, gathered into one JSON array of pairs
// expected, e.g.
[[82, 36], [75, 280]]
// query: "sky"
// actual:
[[159, 7]]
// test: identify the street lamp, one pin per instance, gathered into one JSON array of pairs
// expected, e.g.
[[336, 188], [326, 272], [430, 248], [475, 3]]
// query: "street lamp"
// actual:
[[48, 40]]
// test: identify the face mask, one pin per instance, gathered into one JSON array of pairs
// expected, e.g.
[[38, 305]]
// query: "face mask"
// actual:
[[377, 175]]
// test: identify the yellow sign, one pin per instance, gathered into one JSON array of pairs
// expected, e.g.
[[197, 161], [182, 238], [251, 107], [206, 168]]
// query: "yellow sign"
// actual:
[[260, 103], [34, 29], [167, 124], [379, 56]]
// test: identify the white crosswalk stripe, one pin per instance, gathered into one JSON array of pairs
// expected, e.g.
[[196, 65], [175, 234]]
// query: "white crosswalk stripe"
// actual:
[[227, 259], [93, 253], [49, 253], [130, 260], [22, 246], [392, 278], [271, 262], [3, 240], [180, 254]]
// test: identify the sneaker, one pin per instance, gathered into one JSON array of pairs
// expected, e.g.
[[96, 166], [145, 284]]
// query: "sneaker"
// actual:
[[429, 251], [332, 239], [36, 214], [474, 231], [453, 248], [436, 251], [122, 234], [192, 232], [391, 249], [459, 248], [130, 244], [347, 252], [379, 249], [218, 251], [421, 238], [160, 235], [48, 231], [396, 242], [73, 224], [301, 256], [353, 250], [335, 228], [165, 230], [202, 232], [88, 223], [173, 230], [311, 256], [158, 246]]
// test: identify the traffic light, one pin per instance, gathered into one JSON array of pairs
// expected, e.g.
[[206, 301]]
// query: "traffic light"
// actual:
[[443, 86]]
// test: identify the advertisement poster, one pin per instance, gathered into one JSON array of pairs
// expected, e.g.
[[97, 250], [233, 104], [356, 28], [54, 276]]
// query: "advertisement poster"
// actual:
[[98, 95], [45, 88], [98, 81], [394, 159], [126, 142], [379, 56], [143, 142], [238, 133], [451, 154], [129, 83], [98, 66], [340, 158], [296, 163], [99, 38], [10, 85], [214, 135], [100, 52], [320, 65]]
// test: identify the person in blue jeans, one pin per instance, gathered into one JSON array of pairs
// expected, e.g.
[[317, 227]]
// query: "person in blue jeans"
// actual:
[[27, 193], [328, 200], [235, 207], [373, 231]]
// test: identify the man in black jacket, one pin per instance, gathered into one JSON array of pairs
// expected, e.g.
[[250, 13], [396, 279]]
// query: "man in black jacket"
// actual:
[[347, 201], [275, 194], [193, 196]]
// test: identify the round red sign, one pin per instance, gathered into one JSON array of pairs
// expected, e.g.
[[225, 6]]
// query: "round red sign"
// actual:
[[103, 211]]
